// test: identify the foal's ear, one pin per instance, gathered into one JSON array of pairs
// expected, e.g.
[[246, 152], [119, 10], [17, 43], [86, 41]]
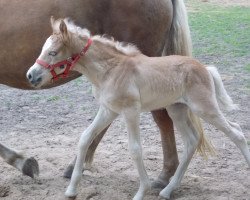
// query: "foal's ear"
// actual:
[[52, 21], [63, 28]]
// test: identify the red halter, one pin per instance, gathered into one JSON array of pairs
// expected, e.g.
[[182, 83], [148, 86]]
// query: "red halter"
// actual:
[[70, 62]]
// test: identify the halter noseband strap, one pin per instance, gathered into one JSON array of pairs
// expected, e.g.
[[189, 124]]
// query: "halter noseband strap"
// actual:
[[70, 62]]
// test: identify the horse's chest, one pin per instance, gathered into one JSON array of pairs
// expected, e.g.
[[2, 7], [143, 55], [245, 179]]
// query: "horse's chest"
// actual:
[[117, 100]]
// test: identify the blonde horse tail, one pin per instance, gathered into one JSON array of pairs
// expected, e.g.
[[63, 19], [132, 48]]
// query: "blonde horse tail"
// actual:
[[178, 41], [205, 147]]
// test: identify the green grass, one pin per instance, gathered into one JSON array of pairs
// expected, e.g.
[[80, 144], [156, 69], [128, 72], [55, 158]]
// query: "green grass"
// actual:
[[247, 67], [53, 98], [219, 31], [78, 81]]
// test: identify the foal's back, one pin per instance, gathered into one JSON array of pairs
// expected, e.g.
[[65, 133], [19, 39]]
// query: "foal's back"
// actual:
[[171, 70], [162, 81]]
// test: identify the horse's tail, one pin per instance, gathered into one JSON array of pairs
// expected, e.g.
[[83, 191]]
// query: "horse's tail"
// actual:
[[178, 41], [223, 98], [205, 147]]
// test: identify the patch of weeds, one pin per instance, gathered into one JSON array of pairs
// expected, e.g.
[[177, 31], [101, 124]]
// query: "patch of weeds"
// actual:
[[36, 98], [8, 105], [78, 81], [53, 98], [247, 68], [89, 91]]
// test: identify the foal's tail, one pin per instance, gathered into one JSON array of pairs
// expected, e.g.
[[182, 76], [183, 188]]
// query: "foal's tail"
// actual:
[[223, 98], [178, 41]]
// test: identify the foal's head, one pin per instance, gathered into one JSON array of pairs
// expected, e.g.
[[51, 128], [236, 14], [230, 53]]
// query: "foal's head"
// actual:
[[55, 56]]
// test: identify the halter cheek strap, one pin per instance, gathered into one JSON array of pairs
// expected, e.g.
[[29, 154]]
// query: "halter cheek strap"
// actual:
[[70, 63]]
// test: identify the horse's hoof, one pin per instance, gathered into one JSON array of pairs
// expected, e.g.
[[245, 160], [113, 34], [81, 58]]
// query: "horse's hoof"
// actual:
[[159, 184], [164, 195], [70, 198], [68, 172], [70, 194], [30, 167]]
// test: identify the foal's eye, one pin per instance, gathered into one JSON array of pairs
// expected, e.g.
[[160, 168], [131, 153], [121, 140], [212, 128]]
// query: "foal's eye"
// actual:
[[52, 53], [62, 66]]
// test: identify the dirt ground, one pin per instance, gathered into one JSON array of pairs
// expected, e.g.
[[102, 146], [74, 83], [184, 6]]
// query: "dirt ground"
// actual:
[[47, 125]]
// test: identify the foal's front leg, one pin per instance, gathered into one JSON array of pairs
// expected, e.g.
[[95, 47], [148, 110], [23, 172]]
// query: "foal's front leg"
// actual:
[[132, 120], [89, 156], [103, 118]]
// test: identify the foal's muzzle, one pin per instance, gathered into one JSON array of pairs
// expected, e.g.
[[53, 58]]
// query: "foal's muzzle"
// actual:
[[34, 77]]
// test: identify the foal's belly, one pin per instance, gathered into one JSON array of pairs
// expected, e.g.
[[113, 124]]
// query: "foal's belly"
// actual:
[[157, 101]]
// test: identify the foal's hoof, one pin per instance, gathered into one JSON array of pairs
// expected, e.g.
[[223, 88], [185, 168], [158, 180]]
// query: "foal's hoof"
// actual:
[[164, 195], [30, 167], [70, 194], [68, 172]]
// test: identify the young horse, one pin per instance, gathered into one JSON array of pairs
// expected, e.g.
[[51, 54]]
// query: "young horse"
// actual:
[[156, 26], [127, 82]]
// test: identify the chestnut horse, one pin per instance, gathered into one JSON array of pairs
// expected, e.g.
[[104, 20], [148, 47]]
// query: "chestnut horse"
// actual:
[[156, 26]]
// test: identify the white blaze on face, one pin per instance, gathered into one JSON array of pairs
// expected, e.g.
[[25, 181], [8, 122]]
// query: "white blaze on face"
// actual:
[[37, 71], [47, 45]]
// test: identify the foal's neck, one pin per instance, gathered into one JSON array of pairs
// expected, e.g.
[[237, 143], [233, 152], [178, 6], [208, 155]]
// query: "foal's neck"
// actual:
[[98, 60]]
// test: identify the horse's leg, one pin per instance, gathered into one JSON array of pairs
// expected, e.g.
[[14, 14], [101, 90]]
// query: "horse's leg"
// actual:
[[132, 119], [170, 156], [89, 156], [208, 109], [179, 114], [210, 112], [28, 166], [178, 42], [232, 132], [103, 118]]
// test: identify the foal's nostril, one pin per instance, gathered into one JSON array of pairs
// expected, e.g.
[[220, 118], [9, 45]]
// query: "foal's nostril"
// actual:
[[29, 76]]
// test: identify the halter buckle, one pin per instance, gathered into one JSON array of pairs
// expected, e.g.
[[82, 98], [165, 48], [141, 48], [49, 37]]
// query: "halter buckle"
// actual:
[[70, 59]]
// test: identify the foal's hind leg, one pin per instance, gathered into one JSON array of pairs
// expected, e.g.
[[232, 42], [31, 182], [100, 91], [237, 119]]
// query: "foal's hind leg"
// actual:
[[210, 112], [179, 114]]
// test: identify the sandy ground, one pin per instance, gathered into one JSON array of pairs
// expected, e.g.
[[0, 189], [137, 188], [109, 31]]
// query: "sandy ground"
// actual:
[[47, 124]]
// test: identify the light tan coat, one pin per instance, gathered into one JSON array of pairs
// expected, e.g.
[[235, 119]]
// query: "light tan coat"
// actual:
[[127, 82]]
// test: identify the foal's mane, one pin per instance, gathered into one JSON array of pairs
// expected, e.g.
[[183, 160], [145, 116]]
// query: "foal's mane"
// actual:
[[122, 47]]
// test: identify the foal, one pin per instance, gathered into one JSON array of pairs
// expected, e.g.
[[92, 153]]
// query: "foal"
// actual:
[[127, 82]]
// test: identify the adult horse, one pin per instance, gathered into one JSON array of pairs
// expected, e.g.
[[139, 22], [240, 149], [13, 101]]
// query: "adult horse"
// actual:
[[156, 26]]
